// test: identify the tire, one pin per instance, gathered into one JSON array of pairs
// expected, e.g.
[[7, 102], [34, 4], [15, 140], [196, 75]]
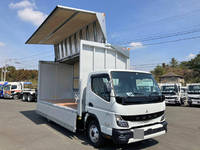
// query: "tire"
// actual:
[[94, 134], [189, 104], [182, 102], [30, 98], [24, 97], [15, 97]]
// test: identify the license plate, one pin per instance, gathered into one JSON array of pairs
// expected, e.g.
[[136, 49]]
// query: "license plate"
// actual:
[[139, 133]]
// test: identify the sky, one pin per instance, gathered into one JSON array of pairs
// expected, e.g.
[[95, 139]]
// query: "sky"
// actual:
[[155, 30]]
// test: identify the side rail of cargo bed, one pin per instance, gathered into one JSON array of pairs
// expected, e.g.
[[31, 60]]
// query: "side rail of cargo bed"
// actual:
[[64, 116]]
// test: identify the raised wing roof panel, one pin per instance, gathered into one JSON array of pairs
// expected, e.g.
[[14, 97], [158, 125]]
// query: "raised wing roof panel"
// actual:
[[63, 22]]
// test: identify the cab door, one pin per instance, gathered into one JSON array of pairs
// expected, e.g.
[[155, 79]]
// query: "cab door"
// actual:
[[98, 100]]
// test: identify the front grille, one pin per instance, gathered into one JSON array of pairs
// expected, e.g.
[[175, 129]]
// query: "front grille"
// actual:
[[170, 97], [143, 117], [194, 97]]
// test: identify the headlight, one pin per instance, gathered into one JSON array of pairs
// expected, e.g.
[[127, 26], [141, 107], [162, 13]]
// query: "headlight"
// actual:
[[120, 121], [163, 117]]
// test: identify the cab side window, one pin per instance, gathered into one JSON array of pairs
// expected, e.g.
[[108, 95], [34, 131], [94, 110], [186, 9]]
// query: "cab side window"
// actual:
[[14, 87], [99, 86]]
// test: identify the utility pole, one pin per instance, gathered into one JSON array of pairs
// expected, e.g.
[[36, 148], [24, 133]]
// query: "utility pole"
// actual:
[[2, 72], [5, 71]]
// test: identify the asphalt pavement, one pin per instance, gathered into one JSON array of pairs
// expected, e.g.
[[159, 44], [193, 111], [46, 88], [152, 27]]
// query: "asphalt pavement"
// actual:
[[22, 129]]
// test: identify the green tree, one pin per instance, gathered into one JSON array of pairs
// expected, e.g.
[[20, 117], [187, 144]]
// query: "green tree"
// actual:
[[158, 72], [173, 62]]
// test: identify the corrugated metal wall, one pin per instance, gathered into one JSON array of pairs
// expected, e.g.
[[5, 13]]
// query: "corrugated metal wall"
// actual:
[[71, 45]]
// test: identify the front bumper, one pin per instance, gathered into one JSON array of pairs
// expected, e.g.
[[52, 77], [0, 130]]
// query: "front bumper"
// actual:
[[8, 96], [128, 135], [194, 101], [172, 101]]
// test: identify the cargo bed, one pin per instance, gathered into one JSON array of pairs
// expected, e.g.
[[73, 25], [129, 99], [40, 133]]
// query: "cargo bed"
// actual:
[[63, 115]]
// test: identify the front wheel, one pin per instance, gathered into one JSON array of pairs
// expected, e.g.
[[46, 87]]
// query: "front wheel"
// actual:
[[15, 97], [94, 134]]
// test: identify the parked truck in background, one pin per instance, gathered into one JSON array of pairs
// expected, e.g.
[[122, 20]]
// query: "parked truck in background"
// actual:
[[2, 85], [193, 94], [89, 86], [172, 93], [13, 90], [18, 90]]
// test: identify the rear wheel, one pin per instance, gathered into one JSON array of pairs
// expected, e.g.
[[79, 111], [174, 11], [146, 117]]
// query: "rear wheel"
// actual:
[[30, 98], [24, 97], [94, 134]]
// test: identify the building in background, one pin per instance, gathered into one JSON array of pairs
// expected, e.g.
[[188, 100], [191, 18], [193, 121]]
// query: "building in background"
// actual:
[[172, 78]]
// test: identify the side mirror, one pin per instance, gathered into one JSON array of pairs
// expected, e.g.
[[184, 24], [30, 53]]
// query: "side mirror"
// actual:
[[108, 87]]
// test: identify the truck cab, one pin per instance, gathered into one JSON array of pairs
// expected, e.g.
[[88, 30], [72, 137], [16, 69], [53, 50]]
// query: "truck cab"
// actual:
[[193, 94], [172, 93], [13, 90], [128, 106]]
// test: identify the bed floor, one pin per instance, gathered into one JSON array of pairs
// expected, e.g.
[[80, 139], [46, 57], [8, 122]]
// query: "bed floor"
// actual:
[[64, 102]]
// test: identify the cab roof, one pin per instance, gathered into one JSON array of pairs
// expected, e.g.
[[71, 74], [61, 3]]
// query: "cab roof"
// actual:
[[120, 70]]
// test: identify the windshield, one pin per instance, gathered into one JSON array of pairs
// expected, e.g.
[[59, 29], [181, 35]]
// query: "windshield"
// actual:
[[194, 89], [135, 87], [169, 89], [7, 88]]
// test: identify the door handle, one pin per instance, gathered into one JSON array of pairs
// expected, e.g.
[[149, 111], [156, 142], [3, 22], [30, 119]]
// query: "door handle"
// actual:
[[90, 104]]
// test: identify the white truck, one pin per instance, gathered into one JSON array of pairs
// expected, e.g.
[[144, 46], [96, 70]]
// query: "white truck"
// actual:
[[18, 90], [89, 86], [193, 94], [172, 93], [13, 90]]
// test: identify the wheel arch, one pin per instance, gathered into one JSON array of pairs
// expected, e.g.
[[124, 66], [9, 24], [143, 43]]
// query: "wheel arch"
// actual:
[[89, 117]]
